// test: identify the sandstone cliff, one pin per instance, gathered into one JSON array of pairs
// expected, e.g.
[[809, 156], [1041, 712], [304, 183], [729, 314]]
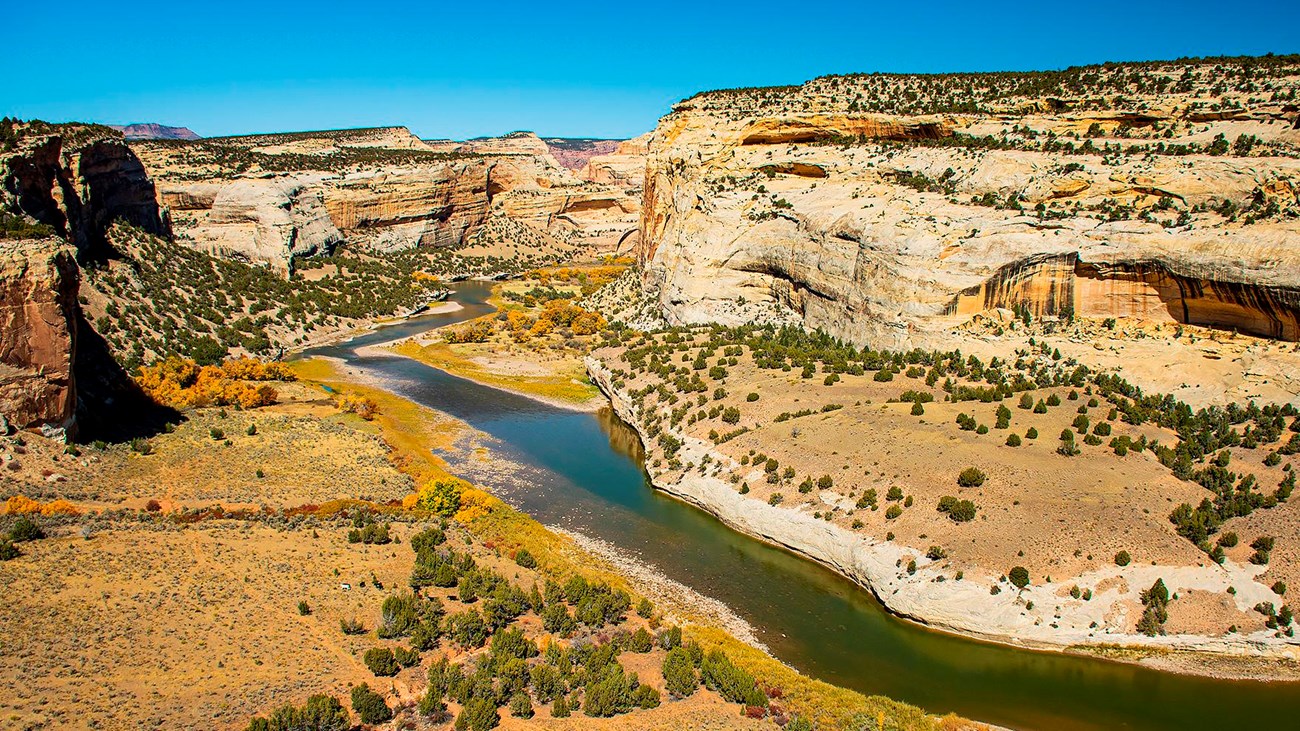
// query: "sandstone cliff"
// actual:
[[78, 179], [38, 325], [271, 198], [891, 209]]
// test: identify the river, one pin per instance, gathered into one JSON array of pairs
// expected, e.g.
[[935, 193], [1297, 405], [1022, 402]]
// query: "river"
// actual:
[[583, 473]]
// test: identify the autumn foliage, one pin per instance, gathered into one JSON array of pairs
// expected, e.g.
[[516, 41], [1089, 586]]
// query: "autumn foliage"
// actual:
[[20, 505], [183, 384], [555, 315], [353, 403]]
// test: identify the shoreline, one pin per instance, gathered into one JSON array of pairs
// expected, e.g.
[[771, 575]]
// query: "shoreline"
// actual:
[[868, 565], [342, 336], [388, 348]]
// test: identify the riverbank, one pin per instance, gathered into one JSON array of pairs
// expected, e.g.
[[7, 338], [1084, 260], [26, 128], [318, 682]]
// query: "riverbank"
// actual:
[[508, 529], [1039, 617], [342, 335], [559, 382]]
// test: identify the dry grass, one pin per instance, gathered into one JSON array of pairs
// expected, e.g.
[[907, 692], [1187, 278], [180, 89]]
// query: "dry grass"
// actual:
[[532, 371]]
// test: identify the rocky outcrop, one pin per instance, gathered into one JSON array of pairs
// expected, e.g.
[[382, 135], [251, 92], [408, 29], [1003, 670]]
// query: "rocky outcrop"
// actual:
[[38, 326], [264, 220], [385, 189], [818, 127], [421, 207], [786, 204], [623, 167], [79, 184], [575, 153]]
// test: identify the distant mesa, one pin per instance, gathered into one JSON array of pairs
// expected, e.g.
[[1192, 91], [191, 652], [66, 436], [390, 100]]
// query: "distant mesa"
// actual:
[[153, 131]]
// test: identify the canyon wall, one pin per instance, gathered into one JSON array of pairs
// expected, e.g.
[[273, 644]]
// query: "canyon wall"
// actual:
[[38, 326], [78, 180], [890, 210], [271, 198]]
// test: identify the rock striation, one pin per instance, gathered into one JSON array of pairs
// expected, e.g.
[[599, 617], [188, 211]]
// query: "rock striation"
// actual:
[[271, 198], [38, 326], [892, 209]]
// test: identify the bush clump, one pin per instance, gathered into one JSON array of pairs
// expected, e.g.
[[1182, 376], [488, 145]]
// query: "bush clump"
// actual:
[[381, 662], [369, 705], [971, 477]]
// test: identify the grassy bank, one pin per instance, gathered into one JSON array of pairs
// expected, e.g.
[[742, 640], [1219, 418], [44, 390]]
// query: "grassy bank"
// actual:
[[517, 368]]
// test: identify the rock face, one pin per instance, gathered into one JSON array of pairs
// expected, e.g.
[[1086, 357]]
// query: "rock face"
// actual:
[[79, 180], [269, 220], [890, 210], [38, 325], [574, 153], [271, 198]]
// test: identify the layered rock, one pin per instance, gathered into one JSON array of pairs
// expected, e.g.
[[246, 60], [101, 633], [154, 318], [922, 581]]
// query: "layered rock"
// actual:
[[271, 198], [893, 227], [623, 167], [268, 220], [79, 180], [38, 325]]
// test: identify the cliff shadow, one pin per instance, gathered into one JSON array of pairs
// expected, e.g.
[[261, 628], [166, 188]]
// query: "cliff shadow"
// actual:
[[110, 406]]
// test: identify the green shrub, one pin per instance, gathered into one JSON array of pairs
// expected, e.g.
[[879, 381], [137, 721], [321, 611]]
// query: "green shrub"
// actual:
[[381, 662], [406, 657], [525, 559], [970, 477], [610, 694], [1018, 576], [646, 697], [680, 679], [752, 397], [352, 626], [1122, 558], [303, 608], [467, 629], [640, 641], [918, 409], [478, 714], [321, 713], [25, 529], [369, 705], [644, 608], [1013, 440], [733, 683], [428, 538], [8, 551], [521, 706], [400, 615], [893, 512], [959, 511]]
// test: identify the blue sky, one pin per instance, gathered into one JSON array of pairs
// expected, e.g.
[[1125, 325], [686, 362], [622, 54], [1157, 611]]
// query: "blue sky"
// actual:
[[582, 69]]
